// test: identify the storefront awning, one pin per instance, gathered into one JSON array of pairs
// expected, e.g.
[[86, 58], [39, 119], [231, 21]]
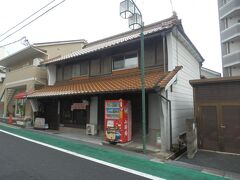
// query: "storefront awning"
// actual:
[[108, 84], [21, 95]]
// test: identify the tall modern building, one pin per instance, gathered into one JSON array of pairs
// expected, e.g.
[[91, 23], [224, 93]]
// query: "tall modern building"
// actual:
[[229, 19]]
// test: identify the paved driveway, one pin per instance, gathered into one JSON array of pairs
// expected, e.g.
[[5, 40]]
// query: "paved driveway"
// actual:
[[224, 162], [227, 165]]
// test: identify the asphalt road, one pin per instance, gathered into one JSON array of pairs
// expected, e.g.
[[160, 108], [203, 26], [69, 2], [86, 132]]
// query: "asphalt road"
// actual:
[[24, 160]]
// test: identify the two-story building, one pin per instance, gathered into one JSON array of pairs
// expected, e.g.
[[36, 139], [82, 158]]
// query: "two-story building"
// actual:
[[109, 69], [23, 75]]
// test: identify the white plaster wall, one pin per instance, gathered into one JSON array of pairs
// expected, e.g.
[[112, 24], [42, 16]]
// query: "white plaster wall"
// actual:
[[94, 110], [154, 113], [51, 71], [164, 123], [153, 109], [182, 92], [209, 75]]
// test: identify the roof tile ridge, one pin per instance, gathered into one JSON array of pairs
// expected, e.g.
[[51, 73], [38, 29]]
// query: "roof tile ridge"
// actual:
[[173, 19], [167, 75], [174, 71]]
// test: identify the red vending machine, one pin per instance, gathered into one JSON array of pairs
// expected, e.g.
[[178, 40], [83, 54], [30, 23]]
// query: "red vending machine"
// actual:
[[118, 121]]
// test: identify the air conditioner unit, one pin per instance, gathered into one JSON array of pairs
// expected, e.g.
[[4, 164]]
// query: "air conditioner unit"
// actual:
[[91, 129]]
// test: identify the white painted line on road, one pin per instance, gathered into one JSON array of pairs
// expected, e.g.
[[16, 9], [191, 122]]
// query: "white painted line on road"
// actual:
[[88, 158], [9, 126]]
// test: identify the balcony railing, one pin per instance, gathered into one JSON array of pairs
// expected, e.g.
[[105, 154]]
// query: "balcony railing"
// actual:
[[230, 33], [229, 8], [24, 75], [231, 59]]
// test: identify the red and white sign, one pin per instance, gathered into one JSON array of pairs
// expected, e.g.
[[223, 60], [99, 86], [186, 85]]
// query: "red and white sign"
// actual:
[[78, 106]]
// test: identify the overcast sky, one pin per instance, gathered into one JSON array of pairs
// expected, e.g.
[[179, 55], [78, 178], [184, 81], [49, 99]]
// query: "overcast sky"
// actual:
[[96, 19]]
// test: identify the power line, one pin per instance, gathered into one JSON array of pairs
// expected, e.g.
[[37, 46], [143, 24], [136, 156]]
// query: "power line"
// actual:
[[32, 21], [23, 38], [27, 18]]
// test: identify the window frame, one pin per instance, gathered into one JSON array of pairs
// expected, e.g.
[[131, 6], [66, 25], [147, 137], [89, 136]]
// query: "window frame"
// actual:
[[124, 59], [82, 73], [65, 78], [75, 72], [91, 65], [19, 110], [59, 67]]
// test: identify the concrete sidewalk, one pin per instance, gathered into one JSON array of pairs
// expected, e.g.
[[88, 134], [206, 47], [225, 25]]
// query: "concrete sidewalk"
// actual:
[[80, 135], [141, 164]]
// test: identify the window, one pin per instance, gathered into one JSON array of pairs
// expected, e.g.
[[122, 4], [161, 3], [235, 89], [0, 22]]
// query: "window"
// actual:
[[95, 67], [225, 2], [59, 73], [19, 107], [106, 65], [67, 72], [84, 68], [76, 70], [225, 23], [227, 48], [125, 61]]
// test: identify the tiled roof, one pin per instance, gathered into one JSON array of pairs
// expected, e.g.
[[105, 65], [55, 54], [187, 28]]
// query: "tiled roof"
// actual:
[[118, 39], [108, 84]]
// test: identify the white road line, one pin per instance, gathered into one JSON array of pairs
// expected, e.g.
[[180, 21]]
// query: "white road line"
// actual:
[[9, 126], [88, 158]]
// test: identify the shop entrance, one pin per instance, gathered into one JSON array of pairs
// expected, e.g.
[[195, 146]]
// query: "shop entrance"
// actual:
[[50, 114], [74, 113], [80, 117]]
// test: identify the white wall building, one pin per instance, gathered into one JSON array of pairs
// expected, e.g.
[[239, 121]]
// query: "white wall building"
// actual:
[[229, 20]]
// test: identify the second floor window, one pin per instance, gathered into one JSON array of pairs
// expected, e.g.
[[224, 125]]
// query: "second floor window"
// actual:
[[59, 73], [67, 72], [76, 70], [125, 61]]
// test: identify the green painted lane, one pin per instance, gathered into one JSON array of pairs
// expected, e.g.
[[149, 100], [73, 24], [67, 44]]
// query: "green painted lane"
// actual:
[[141, 164]]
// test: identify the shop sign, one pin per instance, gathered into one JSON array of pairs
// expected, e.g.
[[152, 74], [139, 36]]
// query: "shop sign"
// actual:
[[75, 106]]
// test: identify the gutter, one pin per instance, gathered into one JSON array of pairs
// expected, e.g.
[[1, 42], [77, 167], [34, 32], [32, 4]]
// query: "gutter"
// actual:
[[39, 50]]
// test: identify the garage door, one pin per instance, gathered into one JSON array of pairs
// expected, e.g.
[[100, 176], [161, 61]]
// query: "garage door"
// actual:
[[208, 128], [231, 128], [219, 128]]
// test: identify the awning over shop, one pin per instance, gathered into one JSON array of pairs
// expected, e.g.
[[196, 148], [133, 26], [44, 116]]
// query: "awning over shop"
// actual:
[[21, 95], [108, 84]]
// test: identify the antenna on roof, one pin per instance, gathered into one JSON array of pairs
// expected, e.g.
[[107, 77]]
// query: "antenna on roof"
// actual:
[[173, 11]]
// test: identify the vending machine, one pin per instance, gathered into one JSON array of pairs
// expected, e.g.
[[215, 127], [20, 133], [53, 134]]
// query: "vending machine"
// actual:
[[118, 121]]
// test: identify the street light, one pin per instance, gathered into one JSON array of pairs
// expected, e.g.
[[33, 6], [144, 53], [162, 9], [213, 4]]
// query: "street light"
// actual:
[[130, 11]]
